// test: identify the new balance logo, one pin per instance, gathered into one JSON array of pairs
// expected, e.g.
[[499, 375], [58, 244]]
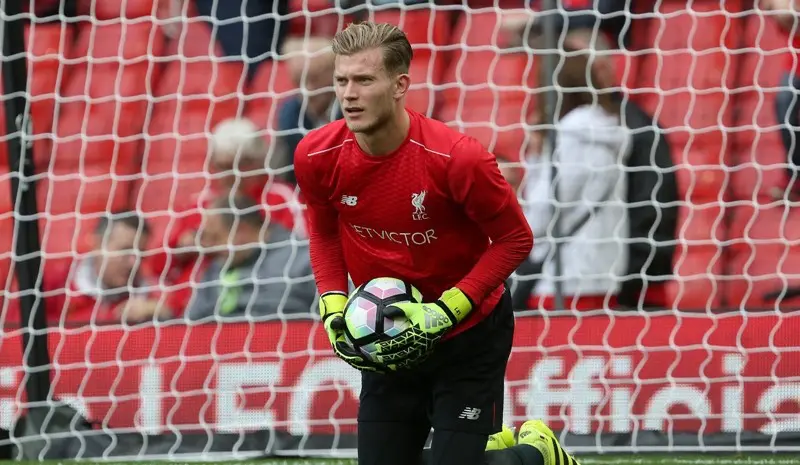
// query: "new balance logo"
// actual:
[[350, 200], [470, 413]]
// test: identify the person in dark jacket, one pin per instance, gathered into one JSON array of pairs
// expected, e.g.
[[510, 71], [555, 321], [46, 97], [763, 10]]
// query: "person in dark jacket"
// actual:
[[652, 192], [310, 63], [250, 30]]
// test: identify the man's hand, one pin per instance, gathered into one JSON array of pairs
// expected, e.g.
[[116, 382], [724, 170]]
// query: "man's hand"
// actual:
[[331, 309], [139, 309], [429, 323]]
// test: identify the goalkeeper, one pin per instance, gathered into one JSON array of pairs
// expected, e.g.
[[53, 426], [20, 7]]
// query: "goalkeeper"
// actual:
[[393, 193]]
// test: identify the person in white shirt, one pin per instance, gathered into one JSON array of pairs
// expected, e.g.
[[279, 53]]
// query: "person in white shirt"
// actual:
[[591, 146]]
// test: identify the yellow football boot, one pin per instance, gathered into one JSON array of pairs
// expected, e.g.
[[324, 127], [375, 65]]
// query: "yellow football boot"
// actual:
[[502, 440], [536, 434]]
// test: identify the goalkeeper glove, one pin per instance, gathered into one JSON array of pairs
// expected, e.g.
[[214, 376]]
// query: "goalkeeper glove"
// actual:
[[429, 322], [331, 309]]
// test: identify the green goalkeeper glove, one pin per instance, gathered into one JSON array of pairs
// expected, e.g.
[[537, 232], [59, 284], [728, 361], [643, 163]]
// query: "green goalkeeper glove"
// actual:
[[429, 322], [331, 309]]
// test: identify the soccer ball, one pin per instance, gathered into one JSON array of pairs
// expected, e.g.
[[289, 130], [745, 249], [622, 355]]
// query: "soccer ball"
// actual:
[[363, 314]]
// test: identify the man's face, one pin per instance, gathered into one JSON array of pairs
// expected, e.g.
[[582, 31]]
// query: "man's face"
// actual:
[[119, 255], [218, 235], [215, 234], [602, 64], [225, 165], [365, 90], [318, 81]]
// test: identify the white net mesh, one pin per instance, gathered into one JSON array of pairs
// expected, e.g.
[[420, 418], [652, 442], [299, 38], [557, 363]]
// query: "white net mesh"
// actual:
[[125, 98]]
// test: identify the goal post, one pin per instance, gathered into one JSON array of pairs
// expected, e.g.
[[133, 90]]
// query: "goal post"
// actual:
[[125, 99], [22, 171]]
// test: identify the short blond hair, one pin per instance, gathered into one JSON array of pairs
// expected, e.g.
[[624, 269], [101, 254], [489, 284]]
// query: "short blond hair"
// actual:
[[357, 37]]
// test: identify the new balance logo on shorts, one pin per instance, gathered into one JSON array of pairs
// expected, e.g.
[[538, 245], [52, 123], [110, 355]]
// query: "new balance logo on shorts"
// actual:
[[470, 413]]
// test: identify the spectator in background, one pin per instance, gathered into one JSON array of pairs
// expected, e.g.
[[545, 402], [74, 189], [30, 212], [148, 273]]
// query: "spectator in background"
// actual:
[[652, 192], [95, 286], [611, 17], [249, 30], [311, 67], [785, 14], [591, 147], [238, 158], [257, 270]]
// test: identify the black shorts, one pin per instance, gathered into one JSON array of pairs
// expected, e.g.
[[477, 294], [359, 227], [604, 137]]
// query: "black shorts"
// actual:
[[459, 388]]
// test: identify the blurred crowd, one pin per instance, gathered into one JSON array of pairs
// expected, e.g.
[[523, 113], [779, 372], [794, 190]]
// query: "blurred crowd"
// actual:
[[244, 255]]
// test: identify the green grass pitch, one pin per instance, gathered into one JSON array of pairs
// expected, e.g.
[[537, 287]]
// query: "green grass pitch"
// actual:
[[620, 460], [671, 459]]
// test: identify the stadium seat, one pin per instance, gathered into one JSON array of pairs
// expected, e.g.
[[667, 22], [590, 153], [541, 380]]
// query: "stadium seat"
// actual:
[[702, 178], [766, 257], [106, 96], [699, 260], [69, 199], [481, 70], [320, 18], [47, 46], [115, 9], [498, 125], [427, 29], [195, 75], [486, 90], [271, 83], [686, 73], [99, 125], [197, 90], [759, 153]]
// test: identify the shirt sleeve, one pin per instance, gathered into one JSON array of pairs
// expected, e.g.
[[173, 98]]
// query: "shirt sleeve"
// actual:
[[325, 245], [477, 184]]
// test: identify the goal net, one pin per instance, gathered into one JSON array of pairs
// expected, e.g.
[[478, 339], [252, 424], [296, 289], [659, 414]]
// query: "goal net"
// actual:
[[131, 104]]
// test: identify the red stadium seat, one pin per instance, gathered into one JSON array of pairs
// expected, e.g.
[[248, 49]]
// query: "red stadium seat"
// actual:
[[766, 257], [427, 29], [497, 125], [115, 9], [195, 76], [696, 286], [197, 91], [271, 83], [699, 259], [481, 71], [685, 77], [106, 97], [759, 153], [99, 125], [47, 46], [486, 90], [702, 178], [319, 18]]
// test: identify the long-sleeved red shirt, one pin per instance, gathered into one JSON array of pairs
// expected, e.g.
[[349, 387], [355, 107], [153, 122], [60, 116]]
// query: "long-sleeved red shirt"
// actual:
[[436, 213]]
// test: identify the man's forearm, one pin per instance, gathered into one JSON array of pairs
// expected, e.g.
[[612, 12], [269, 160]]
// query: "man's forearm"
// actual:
[[327, 262], [512, 241]]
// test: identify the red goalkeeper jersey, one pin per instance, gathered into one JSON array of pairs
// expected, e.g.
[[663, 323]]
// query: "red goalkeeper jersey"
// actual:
[[436, 212]]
